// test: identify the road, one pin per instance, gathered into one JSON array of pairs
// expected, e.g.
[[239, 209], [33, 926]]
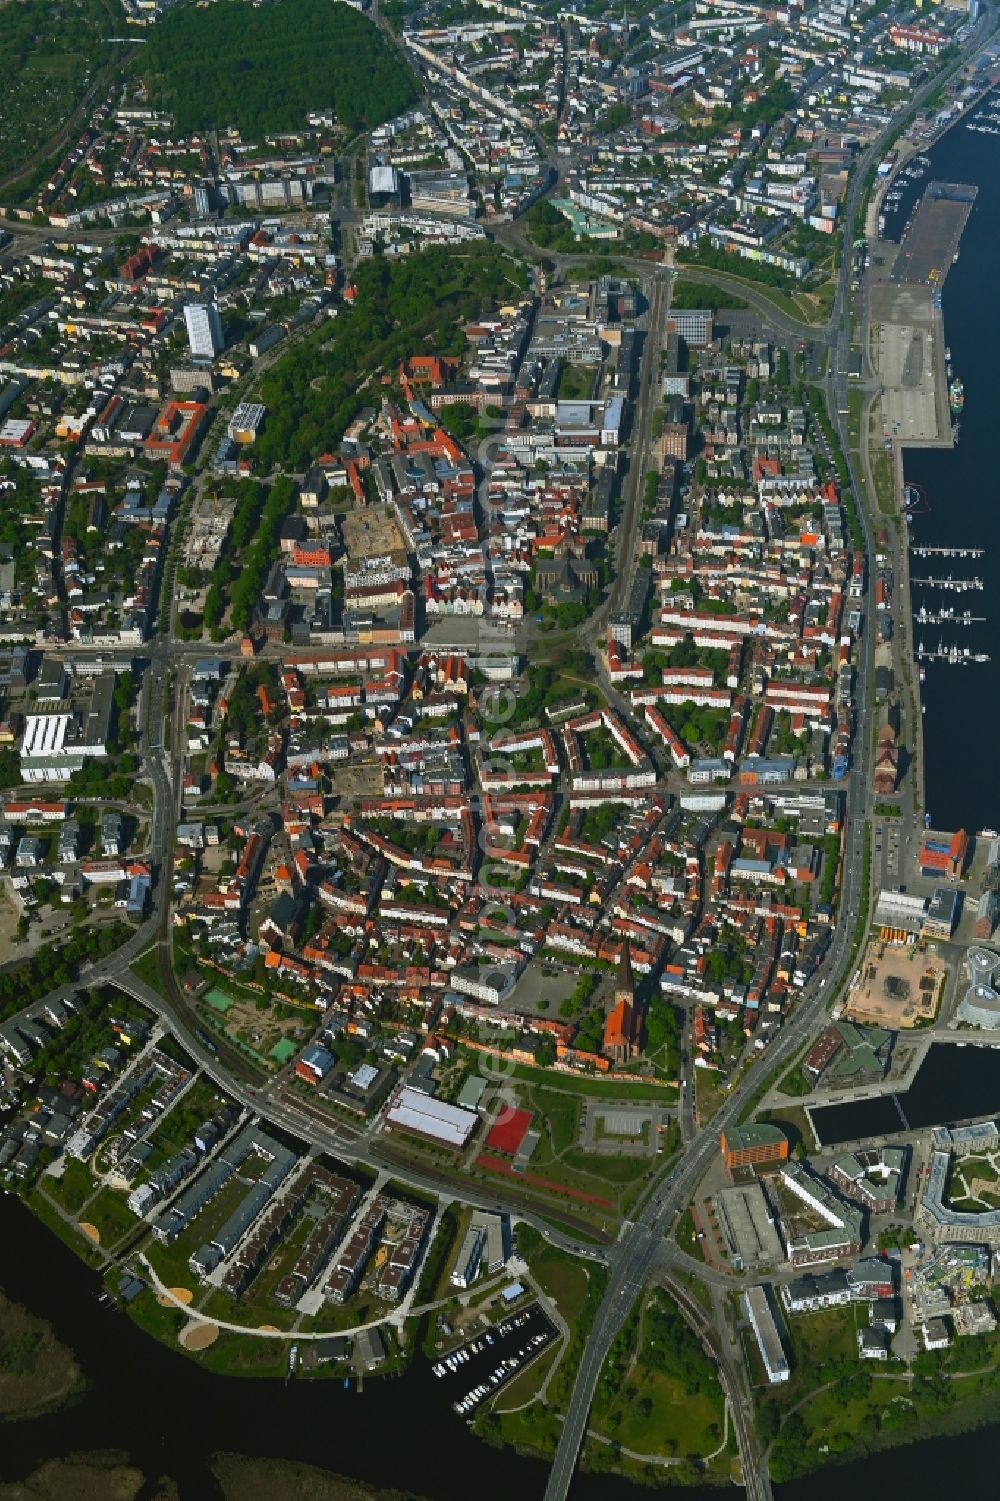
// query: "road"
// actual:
[[515, 236], [627, 531]]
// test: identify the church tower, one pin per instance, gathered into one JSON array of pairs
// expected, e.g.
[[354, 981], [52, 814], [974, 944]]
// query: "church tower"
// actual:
[[625, 984], [621, 1026]]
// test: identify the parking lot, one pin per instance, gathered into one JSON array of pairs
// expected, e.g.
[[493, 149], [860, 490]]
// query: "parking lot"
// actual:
[[888, 852]]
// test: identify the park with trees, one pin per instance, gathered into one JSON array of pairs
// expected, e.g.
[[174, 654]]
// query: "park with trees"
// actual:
[[263, 69]]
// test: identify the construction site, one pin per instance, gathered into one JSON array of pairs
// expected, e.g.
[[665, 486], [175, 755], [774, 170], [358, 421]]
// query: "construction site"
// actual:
[[896, 987]]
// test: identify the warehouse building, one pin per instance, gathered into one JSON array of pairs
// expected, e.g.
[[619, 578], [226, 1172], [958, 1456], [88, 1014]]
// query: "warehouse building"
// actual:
[[56, 745]]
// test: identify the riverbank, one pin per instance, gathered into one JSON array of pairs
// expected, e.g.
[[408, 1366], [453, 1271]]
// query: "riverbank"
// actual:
[[939, 1444], [242, 1479], [108, 1476]]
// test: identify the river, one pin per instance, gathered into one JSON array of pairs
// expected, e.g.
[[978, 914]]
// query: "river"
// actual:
[[962, 490]]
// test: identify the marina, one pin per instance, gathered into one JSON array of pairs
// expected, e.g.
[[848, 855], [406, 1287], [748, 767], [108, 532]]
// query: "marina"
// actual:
[[952, 507], [481, 1367]]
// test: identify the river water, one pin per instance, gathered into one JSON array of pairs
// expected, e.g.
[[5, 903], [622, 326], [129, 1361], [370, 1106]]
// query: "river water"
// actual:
[[962, 487]]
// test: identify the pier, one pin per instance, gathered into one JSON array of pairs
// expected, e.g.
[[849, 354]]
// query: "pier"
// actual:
[[947, 552], [947, 617], [958, 586], [954, 655]]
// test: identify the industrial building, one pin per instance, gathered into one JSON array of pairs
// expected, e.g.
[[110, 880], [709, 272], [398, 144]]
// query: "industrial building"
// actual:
[[56, 745], [414, 1111]]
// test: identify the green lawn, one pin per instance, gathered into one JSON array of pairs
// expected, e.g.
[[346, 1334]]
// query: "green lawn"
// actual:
[[560, 1111], [789, 303], [855, 402], [244, 1355], [147, 967], [686, 293], [73, 1188], [249, 1311], [795, 1082], [171, 1262], [535, 1428], [575, 382], [611, 1170], [686, 1237], [67, 1233], [332, 1317], [708, 1095], [162, 1323], [675, 1425], [829, 1334], [563, 1277], [112, 1217], [881, 467]]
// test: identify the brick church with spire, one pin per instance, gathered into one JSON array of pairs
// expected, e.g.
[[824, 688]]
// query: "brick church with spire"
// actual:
[[623, 1024]]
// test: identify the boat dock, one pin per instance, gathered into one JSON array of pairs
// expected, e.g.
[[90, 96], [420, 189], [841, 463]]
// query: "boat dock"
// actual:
[[947, 552], [947, 617], [957, 586], [953, 655]]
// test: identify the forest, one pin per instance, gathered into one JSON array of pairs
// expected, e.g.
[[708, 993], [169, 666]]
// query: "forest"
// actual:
[[264, 69]]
